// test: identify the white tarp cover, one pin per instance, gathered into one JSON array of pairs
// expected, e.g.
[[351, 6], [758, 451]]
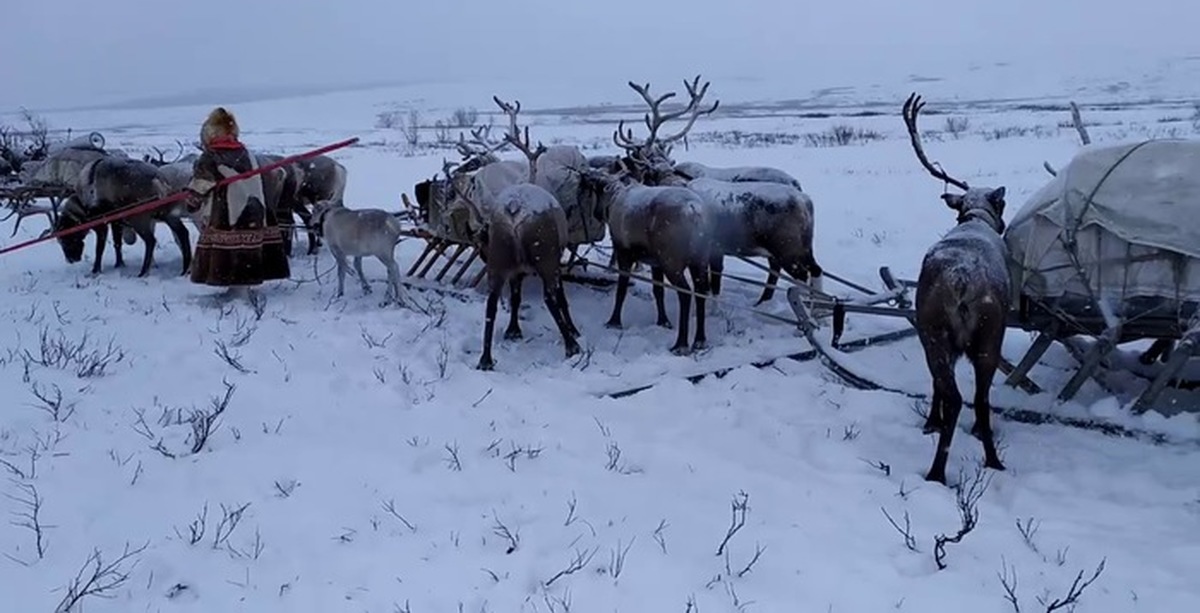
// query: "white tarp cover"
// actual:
[[1133, 212]]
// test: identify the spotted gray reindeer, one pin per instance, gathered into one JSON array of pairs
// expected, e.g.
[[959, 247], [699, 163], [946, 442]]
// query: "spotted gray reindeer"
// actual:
[[962, 305], [359, 233], [522, 231]]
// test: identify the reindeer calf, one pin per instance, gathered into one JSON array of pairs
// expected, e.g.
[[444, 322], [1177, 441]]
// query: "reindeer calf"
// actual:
[[357, 234]]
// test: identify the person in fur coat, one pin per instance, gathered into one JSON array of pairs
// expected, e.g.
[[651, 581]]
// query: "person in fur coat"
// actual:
[[240, 242]]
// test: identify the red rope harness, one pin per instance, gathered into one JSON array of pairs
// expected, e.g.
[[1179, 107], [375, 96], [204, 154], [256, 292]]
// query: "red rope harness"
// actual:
[[154, 204]]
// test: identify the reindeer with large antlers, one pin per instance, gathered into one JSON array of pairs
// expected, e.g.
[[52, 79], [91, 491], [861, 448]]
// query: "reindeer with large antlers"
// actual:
[[521, 230], [650, 158], [757, 212], [962, 304]]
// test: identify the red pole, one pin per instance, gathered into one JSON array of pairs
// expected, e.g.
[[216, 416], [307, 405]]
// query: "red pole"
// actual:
[[154, 204]]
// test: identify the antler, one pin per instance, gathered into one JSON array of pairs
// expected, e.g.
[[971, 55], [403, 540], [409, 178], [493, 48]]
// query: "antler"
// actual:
[[513, 136], [476, 152], [655, 119], [912, 108], [27, 209]]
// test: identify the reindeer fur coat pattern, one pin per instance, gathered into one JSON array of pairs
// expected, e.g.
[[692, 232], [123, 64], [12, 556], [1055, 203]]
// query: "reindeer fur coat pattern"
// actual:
[[240, 242]]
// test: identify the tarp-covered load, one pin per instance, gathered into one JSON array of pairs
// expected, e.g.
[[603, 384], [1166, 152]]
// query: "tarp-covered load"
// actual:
[[1120, 224]]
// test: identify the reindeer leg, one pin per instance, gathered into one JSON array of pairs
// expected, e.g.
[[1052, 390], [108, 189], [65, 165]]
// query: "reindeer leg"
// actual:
[[306, 218], [716, 266], [660, 297], [496, 284], [772, 280], [101, 238], [393, 272], [986, 363], [147, 236], [117, 245], [678, 279], [180, 232], [362, 277], [624, 264], [557, 305], [514, 306], [943, 380], [700, 280], [340, 258], [566, 309], [934, 358]]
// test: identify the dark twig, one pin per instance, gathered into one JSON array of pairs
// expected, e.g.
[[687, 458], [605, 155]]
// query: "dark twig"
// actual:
[[738, 508], [966, 497], [101, 581]]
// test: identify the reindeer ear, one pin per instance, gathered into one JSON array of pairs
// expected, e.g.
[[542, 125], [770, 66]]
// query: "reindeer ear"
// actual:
[[996, 197], [954, 201]]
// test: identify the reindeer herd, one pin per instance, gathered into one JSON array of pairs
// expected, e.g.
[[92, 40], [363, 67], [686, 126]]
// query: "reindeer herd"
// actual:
[[682, 219], [679, 219]]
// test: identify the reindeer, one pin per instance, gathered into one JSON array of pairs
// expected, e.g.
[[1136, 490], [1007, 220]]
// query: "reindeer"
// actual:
[[962, 304], [360, 233], [667, 227], [316, 179], [160, 157], [109, 184], [771, 220], [521, 231], [759, 211], [736, 174]]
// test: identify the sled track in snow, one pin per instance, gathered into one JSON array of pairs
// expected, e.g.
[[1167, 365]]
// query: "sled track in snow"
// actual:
[[856, 381]]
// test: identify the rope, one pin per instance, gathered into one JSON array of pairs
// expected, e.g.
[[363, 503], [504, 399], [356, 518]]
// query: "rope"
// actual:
[[722, 301]]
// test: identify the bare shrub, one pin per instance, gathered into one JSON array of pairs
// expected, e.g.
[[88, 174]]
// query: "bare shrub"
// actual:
[[841, 135], [464, 117], [1022, 132], [957, 126], [77, 355], [746, 140], [408, 123]]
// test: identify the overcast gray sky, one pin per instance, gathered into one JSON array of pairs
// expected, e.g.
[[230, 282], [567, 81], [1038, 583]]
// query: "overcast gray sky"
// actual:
[[60, 52]]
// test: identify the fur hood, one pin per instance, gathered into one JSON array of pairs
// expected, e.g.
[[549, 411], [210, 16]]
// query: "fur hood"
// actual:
[[219, 124]]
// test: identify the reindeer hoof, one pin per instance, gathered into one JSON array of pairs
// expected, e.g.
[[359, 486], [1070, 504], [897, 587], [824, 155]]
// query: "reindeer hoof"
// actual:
[[513, 334], [573, 349], [614, 324], [665, 323], [699, 345], [938, 477], [486, 364], [994, 464], [681, 350]]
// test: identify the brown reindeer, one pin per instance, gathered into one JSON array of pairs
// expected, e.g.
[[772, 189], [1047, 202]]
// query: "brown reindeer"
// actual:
[[962, 304], [522, 231]]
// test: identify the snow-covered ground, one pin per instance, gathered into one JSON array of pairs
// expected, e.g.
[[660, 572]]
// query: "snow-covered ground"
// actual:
[[361, 463]]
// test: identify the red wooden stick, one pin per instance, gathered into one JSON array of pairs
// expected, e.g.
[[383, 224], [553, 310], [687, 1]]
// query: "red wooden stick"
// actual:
[[154, 204]]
